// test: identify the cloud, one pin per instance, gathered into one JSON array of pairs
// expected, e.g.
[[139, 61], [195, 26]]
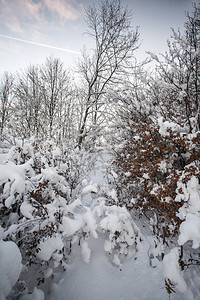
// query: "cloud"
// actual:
[[65, 9], [20, 16], [30, 9], [14, 13], [7, 17]]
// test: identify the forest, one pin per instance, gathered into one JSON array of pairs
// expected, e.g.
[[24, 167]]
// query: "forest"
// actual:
[[106, 154]]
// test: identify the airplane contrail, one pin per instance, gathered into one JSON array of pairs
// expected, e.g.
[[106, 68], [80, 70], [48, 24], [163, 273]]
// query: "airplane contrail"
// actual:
[[38, 44]]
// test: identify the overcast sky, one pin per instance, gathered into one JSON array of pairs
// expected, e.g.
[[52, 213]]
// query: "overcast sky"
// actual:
[[29, 27]]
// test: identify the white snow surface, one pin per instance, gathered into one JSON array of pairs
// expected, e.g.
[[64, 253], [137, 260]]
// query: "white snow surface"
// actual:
[[48, 247], [190, 231], [14, 178], [191, 197], [10, 267], [172, 269], [37, 294], [89, 189], [100, 279], [26, 209], [166, 125]]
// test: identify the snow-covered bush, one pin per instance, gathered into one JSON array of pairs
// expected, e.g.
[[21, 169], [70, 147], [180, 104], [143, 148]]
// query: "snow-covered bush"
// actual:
[[38, 180], [113, 223], [157, 173], [121, 233], [172, 271], [156, 165]]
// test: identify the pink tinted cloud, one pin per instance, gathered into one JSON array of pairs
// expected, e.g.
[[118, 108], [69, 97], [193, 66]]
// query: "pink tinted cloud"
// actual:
[[8, 18], [65, 9], [29, 9], [13, 13]]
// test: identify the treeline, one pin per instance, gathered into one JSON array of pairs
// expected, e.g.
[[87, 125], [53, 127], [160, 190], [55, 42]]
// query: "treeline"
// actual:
[[50, 101]]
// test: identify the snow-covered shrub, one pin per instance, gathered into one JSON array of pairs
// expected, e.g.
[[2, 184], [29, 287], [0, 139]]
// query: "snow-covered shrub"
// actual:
[[154, 164], [115, 224], [157, 173], [121, 233], [79, 162], [172, 271], [38, 180], [190, 231], [189, 213]]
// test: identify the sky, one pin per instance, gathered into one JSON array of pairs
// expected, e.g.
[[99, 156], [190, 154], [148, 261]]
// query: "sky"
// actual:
[[31, 30]]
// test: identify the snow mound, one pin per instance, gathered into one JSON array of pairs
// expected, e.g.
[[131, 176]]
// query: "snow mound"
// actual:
[[190, 230], [14, 178], [166, 125], [26, 209], [172, 270], [36, 295], [191, 197], [48, 247], [89, 189], [10, 267]]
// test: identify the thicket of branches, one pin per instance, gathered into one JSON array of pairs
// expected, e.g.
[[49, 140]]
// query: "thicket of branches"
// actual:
[[158, 145]]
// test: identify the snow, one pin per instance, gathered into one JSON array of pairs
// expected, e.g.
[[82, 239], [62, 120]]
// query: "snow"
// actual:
[[112, 266], [71, 226], [112, 193], [191, 197], [90, 222], [48, 247], [193, 187], [111, 255], [163, 166], [1, 233], [84, 219], [172, 271], [56, 152], [85, 251], [89, 189], [166, 125], [14, 178], [10, 267], [127, 174], [50, 174], [16, 183], [100, 279], [37, 294], [190, 230], [111, 223], [26, 209]]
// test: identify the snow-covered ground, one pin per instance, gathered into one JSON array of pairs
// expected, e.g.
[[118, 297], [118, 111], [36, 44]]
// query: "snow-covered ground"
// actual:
[[137, 278], [99, 279]]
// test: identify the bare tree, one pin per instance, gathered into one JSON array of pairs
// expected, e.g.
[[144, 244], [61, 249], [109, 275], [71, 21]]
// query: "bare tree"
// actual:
[[55, 82], [177, 84], [6, 93], [29, 101], [115, 42], [44, 101]]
